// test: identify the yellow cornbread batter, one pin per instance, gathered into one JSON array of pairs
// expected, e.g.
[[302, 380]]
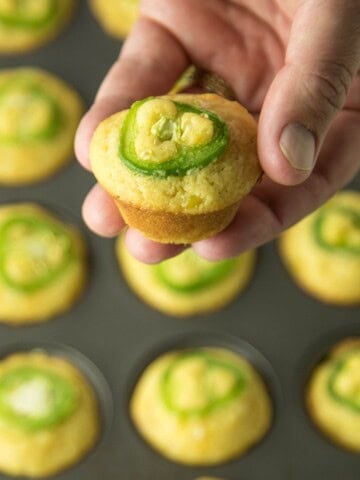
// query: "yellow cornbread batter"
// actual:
[[116, 16], [201, 406], [333, 394], [48, 415], [39, 115], [195, 190], [28, 24], [42, 264], [322, 252], [187, 294]]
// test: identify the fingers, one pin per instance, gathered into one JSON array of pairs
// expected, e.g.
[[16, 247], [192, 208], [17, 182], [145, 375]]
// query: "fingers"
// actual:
[[147, 251], [101, 214], [271, 208], [225, 38], [322, 59], [145, 67], [103, 218]]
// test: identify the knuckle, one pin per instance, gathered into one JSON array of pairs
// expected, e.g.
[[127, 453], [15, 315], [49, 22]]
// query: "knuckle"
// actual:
[[331, 83]]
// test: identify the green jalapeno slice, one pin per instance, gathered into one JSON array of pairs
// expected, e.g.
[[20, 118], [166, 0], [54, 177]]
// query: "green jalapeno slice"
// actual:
[[188, 273], [33, 253], [186, 80], [35, 399], [161, 137], [27, 113], [28, 14], [337, 229], [344, 381], [196, 383]]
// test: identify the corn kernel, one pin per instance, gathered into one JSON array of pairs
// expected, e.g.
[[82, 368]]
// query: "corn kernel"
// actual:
[[196, 130], [152, 111], [150, 148]]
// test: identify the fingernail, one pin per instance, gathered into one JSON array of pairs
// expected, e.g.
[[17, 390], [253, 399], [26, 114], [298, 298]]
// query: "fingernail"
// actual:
[[298, 145]]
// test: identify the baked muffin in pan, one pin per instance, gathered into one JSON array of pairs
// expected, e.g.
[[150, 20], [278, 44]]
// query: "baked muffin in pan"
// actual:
[[201, 406], [42, 264], [187, 284], [322, 252], [49, 416], [177, 166], [116, 16], [39, 114], [333, 394], [28, 24]]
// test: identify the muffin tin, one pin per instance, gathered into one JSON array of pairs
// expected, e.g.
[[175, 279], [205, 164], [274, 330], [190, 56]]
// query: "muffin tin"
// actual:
[[274, 324]]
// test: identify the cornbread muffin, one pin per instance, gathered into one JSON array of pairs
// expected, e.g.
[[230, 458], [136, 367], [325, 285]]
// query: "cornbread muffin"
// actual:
[[177, 166], [48, 415], [116, 16], [28, 24], [42, 264], [39, 115], [187, 284], [201, 407], [322, 252], [333, 394]]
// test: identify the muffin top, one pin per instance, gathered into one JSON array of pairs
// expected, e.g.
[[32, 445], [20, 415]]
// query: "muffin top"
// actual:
[[343, 375], [26, 24], [193, 153], [36, 249], [333, 395], [201, 406], [39, 114], [49, 414], [34, 398], [323, 250], [116, 16]]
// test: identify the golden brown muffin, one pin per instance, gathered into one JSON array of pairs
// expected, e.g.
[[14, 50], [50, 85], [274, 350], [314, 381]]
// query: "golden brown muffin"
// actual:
[[322, 252], [177, 166], [202, 406], [186, 285], [39, 114], [42, 264], [28, 24], [116, 16], [49, 415], [333, 394]]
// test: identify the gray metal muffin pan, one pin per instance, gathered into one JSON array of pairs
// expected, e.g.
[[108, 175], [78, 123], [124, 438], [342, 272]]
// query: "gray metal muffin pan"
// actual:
[[272, 320]]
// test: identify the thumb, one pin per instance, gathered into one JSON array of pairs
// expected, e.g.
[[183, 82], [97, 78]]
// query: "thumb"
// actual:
[[322, 59]]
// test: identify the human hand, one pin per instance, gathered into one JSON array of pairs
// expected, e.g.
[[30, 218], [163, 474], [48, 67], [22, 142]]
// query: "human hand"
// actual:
[[293, 62]]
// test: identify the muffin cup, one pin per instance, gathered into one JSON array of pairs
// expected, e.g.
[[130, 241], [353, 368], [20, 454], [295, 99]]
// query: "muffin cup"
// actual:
[[165, 227]]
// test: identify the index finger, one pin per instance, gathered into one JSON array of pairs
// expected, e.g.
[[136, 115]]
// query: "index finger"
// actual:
[[150, 62]]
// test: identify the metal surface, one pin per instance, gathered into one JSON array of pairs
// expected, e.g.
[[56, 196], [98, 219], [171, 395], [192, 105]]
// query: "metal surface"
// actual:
[[112, 328]]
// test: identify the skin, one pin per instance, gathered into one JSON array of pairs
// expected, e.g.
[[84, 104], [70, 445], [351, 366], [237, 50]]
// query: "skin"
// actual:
[[279, 73]]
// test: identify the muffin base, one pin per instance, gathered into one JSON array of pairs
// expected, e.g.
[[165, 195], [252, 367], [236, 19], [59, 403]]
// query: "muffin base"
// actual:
[[176, 228]]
